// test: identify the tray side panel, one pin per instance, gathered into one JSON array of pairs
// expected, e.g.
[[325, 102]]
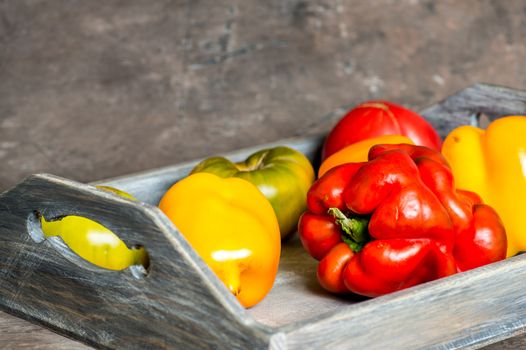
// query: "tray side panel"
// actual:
[[466, 310], [461, 108], [179, 304], [149, 186]]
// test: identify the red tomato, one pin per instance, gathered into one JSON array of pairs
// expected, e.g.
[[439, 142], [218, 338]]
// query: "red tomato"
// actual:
[[378, 118]]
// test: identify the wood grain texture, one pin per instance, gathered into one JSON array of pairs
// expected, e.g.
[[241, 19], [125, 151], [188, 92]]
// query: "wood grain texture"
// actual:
[[480, 99], [108, 308], [150, 185], [180, 303], [17, 334], [462, 311]]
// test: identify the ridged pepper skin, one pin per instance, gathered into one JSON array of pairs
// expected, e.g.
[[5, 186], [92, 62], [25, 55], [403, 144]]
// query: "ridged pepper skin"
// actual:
[[377, 118], [402, 219], [232, 227], [94, 242], [282, 174], [492, 163]]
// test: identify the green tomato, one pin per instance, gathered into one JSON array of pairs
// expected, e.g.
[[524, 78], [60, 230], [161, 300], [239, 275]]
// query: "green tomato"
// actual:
[[282, 174], [94, 242]]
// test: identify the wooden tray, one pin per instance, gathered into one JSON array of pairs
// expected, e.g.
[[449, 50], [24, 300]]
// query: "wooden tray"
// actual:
[[181, 304]]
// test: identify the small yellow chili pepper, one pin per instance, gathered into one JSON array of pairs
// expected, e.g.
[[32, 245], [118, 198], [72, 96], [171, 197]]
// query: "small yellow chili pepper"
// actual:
[[492, 163], [94, 242], [358, 151], [232, 226]]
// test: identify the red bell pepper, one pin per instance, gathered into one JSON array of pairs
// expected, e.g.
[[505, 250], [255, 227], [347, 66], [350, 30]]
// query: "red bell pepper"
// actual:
[[396, 221]]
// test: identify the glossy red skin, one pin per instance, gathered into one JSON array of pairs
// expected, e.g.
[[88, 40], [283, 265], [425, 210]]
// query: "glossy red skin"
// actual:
[[377, 118], [327, 191], [470, 197], [318, 234], [385, 266], [422, 228], [389, 188], [483, 242], [330, 269], [480, 234], [414, 151]]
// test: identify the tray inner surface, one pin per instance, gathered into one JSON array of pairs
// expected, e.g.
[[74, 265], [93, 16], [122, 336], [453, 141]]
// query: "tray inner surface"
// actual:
[[296, 294]]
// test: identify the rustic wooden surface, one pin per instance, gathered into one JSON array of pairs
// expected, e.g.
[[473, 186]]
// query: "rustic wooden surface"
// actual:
[[91, 90], [180, 304], [166, 308]]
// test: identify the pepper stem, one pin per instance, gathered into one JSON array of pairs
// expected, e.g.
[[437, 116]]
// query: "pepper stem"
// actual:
[[355, 232]]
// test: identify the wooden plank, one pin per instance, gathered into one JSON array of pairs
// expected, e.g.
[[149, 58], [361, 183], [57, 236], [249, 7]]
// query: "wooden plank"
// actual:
[[17, 334], [465, 310], [149, 186], [463, 107]]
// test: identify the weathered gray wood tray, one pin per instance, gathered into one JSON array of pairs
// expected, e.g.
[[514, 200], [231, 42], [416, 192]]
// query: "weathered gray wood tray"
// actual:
[[181, 304]]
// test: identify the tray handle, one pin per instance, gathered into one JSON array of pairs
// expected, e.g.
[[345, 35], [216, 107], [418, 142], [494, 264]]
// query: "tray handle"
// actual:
[[35, 231], [179, 301], [477, 105]]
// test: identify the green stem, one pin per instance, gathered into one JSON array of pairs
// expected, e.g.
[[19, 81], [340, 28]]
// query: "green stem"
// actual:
[[355, 232]]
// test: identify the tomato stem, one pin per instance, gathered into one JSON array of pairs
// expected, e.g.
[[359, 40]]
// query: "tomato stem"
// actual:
[[354, 229]]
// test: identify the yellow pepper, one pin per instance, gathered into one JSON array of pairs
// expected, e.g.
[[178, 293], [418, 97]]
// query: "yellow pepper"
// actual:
[[492, 163], [358, 151], [94, 242], [232, 226]]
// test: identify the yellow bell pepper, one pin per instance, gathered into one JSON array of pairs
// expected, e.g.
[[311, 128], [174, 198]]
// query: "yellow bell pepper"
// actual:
[[94, 242], [492, 163], [233, 228], [358, 151]]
